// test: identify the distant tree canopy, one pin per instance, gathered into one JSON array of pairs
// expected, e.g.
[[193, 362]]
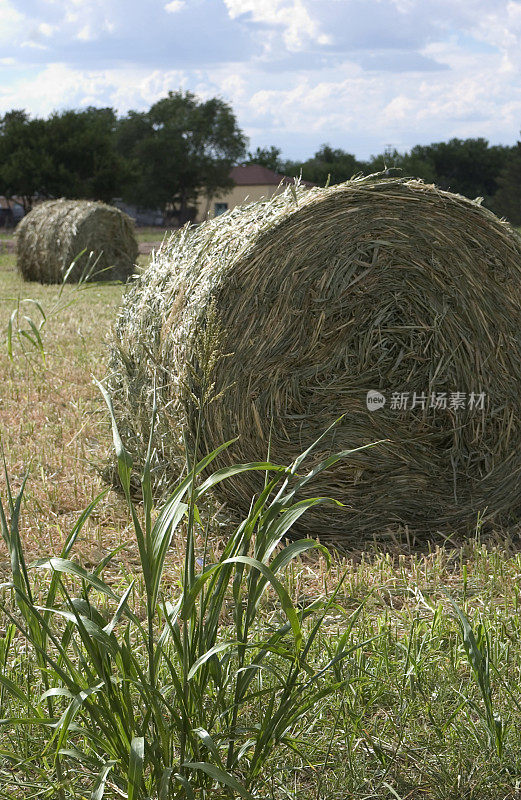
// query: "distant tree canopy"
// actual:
[[179, 149], [404, 164], [24, 160], [72, 154], [467, 166], [507, 200], [85, 163], [164, 157], [269, 157], [328, 164]]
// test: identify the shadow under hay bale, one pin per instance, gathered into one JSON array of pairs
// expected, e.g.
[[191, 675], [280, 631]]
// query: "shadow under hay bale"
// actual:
[[96, 239], [322, 296]]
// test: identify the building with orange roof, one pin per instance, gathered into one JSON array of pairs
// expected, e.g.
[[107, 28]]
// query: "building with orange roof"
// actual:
[[252, 182]]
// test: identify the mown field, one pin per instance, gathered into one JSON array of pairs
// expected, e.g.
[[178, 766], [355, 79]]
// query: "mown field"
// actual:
[[420, 703]]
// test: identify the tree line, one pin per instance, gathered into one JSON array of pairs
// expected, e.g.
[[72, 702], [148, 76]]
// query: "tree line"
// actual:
[[162, 158], [183, 147], [470, 167]]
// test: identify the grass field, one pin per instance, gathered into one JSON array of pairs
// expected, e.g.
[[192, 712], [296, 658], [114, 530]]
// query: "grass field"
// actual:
[[151, 234], [423, 706]]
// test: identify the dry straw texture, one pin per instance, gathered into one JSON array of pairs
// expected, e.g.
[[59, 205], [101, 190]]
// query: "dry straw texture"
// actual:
[[322, 295], [52, 236]]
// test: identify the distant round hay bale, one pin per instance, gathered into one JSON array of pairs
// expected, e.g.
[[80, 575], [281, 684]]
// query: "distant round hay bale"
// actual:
[[53, 235], [323, 296]]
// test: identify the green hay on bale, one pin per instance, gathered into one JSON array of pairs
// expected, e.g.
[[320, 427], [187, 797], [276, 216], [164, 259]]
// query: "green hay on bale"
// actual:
[[96, 239], [322, 296]]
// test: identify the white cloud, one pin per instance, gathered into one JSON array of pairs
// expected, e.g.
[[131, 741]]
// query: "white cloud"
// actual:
[[12, 22], [174, 6], [59, 86], [86, 34], [399, 108], [349, 107], [233, 86], [296, 21], [30, 43], [330, 71], [87, 20], [363, 112], [44, 29], [54, 87]]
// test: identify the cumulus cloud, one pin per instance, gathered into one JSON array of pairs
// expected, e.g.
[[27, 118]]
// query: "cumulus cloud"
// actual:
[[59, 86], [358, 73], [45, 29], [174, 6], [298, 24], [12, 22], [88, 20]]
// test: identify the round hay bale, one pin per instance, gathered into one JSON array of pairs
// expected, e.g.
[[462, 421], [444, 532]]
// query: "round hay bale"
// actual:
[[53, 235], [323, 296]]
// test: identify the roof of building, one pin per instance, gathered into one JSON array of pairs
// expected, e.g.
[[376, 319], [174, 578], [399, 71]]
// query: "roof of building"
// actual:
[[255, 175]]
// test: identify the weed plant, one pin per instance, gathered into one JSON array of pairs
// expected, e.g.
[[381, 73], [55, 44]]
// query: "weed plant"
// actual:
[[175, 704], [28, 331]]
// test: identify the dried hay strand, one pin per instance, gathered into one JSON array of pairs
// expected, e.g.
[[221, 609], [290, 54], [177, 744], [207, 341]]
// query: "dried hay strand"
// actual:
[[54, 234], [321, 296]]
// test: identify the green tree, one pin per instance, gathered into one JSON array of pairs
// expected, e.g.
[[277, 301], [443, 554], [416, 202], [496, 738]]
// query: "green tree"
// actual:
[[267, 157], [467, 166], [507, 200], [82, 146], [328, 164], [72, 154], [24, 161], [409, 165], [178, 150]]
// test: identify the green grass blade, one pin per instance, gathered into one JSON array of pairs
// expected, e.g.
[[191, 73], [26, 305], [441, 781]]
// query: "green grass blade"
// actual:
[[164, 786], [70, 268], [228, 472], [37, 336], [186, 785], [279, 527], [136, 767], [101, 781], [218, 648], [294, 550], [71, 712], [38, 306], [119, 610], [160, 538], [71, 568], [220, 775], [123, 456], [17, 692], [10, 334]]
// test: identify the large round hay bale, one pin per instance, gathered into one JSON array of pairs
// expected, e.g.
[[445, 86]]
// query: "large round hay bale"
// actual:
[[96, 239], [322, 296]]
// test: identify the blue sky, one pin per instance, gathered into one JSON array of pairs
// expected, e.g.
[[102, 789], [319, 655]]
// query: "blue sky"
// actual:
[[358, 74]]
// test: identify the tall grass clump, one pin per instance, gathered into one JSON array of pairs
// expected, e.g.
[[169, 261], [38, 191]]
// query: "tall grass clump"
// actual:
[[188, 696], [29, 319]]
